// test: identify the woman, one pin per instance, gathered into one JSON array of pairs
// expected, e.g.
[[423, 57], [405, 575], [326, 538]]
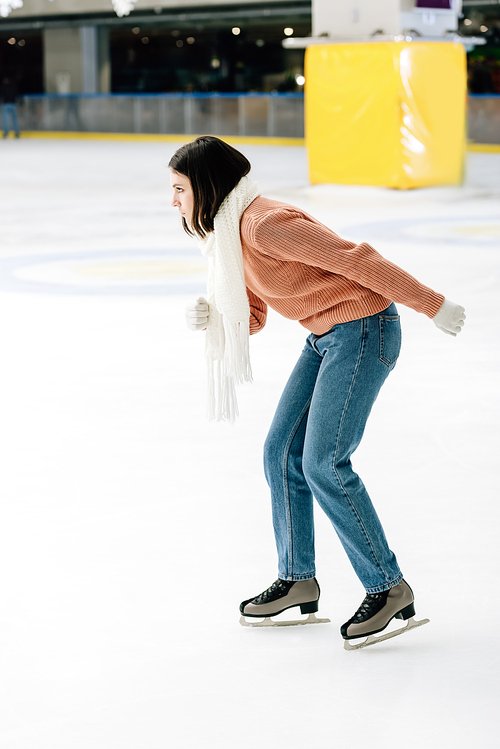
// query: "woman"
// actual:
[[263, 252]]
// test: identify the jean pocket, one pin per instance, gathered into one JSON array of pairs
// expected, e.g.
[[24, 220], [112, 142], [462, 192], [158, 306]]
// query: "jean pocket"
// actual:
[[390, 339]]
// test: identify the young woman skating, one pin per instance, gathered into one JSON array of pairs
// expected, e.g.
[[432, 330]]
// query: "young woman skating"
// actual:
[[263, 252]]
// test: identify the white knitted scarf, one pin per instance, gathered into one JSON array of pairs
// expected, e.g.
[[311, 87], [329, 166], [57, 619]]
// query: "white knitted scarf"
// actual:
[[228, 330]]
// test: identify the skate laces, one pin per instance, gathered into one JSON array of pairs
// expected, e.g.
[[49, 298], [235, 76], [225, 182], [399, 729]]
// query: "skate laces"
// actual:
[[370, 606], [277, 590]]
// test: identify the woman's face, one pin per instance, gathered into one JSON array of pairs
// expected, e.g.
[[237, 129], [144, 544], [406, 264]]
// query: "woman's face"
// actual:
[[183, 195]]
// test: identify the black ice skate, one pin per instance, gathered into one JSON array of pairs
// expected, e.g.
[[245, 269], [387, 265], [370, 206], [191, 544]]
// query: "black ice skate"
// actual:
[[375, 613], [283, 595]]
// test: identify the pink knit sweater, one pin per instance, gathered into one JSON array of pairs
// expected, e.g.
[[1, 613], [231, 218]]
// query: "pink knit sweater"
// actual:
[[306, 272]]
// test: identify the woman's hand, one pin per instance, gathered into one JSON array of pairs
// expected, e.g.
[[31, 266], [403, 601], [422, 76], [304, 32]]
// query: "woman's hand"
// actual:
[[450, 318], [197, 314]]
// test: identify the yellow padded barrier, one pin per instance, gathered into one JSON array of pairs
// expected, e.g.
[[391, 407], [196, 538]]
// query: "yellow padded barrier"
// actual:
[[386, 113]]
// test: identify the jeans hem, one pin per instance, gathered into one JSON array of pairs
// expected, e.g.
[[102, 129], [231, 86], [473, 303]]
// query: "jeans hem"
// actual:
[[296, 578], [386, 586]]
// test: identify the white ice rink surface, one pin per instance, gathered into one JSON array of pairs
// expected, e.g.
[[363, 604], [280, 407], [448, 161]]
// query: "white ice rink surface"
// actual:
[[131, 528]]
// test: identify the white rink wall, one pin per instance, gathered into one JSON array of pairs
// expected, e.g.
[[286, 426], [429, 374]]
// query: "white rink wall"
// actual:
[[131, 528]]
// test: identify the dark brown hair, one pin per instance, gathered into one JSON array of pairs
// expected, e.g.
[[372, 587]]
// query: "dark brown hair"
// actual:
[[213, 168]]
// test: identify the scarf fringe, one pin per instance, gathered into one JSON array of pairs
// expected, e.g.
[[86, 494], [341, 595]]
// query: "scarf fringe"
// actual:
[[224, 374]]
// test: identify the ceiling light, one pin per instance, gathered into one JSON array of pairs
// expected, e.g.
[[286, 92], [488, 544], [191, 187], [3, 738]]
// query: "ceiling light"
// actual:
[[7, 5]]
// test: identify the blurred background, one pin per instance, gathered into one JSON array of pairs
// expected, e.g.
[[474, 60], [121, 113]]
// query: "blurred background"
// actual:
[[63, 54]]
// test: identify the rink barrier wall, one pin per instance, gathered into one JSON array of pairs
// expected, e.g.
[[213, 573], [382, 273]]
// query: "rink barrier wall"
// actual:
[[483, 118], [248, 115], [261, 116]]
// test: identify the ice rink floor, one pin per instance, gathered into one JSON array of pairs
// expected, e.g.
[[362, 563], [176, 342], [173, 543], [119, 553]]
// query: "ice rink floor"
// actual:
[[131, 528]]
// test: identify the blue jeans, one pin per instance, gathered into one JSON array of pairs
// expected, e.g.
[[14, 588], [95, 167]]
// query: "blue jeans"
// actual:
[[318, 425], [9, 110]]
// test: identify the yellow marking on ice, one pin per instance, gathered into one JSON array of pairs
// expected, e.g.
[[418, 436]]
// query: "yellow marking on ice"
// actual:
[[182, 138], [484, 147], [249, 139], [491, 231], [141, 269]]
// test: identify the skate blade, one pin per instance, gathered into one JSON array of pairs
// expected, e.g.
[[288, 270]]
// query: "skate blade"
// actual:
[[373, 639], [268, 622]]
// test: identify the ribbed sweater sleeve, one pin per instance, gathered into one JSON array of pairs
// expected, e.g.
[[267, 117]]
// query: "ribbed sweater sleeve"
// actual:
[[291, 236], [258, 312], [306, 272]]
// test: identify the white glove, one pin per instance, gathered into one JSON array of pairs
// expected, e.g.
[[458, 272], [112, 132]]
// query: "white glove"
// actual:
[[450, 318], [197, 314]]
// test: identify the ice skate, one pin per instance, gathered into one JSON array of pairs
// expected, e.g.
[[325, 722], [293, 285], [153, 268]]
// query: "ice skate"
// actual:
[[376, 612], [280, 596]]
